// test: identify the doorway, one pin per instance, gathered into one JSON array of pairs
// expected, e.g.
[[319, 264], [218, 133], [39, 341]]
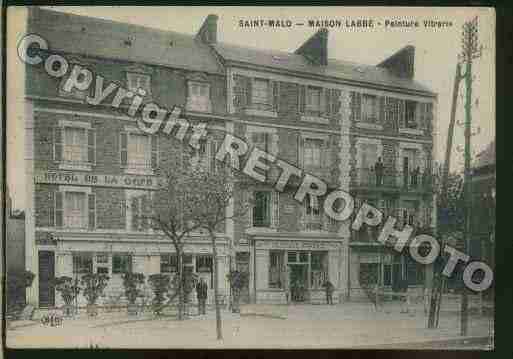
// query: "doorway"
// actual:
[[46, 277], [298, 279]]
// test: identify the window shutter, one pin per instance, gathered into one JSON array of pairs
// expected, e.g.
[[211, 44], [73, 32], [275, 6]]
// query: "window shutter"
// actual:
[[301, 98], [323, 104], [91, 205], [356, 106], [123, 152], [382, 109], [275, 198], [429, 116], [325, 151], [134, 207], [144, 211], [276, 95], [327, 103], [401, 113], [154, 151], [212, 148], [58, 220], [300, 149], [123, 213], [274, 147], [249, 91], [57, 143], [91, 146], [335, 101]]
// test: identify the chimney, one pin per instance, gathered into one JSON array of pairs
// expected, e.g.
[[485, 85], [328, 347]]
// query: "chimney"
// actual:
[[208, 31], [402, 63], [315, 48]]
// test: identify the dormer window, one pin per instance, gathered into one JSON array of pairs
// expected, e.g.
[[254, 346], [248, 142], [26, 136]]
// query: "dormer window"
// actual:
[[198, 98], [137, 81]]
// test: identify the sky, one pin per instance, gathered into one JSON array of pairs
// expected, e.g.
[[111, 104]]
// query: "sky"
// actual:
[[436, 55]]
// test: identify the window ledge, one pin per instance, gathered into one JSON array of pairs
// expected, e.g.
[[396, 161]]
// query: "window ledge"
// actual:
[[139, 171], [315, 119], [263, 113], [261, 230], [411, 131], [75, 167], [369, 126], [199, 106], [320, 231]]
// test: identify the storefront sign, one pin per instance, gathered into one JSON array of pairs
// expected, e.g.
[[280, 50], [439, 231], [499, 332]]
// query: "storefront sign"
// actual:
[[100, 180], [299, 245]]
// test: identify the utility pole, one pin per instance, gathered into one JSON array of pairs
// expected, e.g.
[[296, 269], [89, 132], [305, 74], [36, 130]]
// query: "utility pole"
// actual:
[[438, 280], [470, 51]]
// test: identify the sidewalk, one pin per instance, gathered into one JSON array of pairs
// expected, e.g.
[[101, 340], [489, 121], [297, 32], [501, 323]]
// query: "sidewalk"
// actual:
[[306, 326]]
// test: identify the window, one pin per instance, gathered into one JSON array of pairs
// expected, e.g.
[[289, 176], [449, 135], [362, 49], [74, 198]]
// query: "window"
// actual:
[[204, 156], [369, 273], [204, 268], [121, 263], [262, 209], [137, 81], [415, 272], [319, 267], [82, 263], [75, 210], [204, 264], [276, 269], [198, 98], [410, 115], [313, 100], [138, 152], [140, 207], [369, 108], [312, 152], [102, 264], [313, 216], [260, 93], [168, 263], [75, 145]]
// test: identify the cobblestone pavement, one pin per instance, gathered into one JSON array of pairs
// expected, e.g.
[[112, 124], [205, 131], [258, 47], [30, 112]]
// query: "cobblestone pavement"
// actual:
[[306, 326]]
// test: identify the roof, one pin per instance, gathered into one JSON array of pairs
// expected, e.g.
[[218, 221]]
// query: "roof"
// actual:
[[339, 69], [105, 38]]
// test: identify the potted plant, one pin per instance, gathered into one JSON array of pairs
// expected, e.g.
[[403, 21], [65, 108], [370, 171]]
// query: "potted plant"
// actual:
[[133, 283], [94, 284], [160, 285], [238, 281], [69, 290]]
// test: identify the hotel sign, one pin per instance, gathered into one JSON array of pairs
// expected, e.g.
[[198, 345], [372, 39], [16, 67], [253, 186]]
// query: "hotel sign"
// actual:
[[297, 244], [99, 180]]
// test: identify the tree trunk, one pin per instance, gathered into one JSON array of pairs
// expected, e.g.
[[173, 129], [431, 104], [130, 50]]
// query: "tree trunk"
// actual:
[[219, 329], [180, 282]]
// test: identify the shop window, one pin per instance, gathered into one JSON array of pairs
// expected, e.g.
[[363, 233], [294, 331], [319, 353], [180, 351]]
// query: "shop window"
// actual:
[[82, 263], [168, 263], [415, 272], [369, 273], [102, 264], [276, 272], [121, 263]]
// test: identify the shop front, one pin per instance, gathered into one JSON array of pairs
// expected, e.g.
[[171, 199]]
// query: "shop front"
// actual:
[[287, 270]]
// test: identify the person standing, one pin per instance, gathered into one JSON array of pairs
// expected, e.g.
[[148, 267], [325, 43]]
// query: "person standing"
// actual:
[[378, 168], [201, 293], [329, 292]]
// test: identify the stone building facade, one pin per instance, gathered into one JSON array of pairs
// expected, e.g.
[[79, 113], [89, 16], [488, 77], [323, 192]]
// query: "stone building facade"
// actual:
[[92, 169]]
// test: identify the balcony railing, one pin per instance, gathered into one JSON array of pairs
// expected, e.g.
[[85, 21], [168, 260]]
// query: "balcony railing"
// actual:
[[411, 181]]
